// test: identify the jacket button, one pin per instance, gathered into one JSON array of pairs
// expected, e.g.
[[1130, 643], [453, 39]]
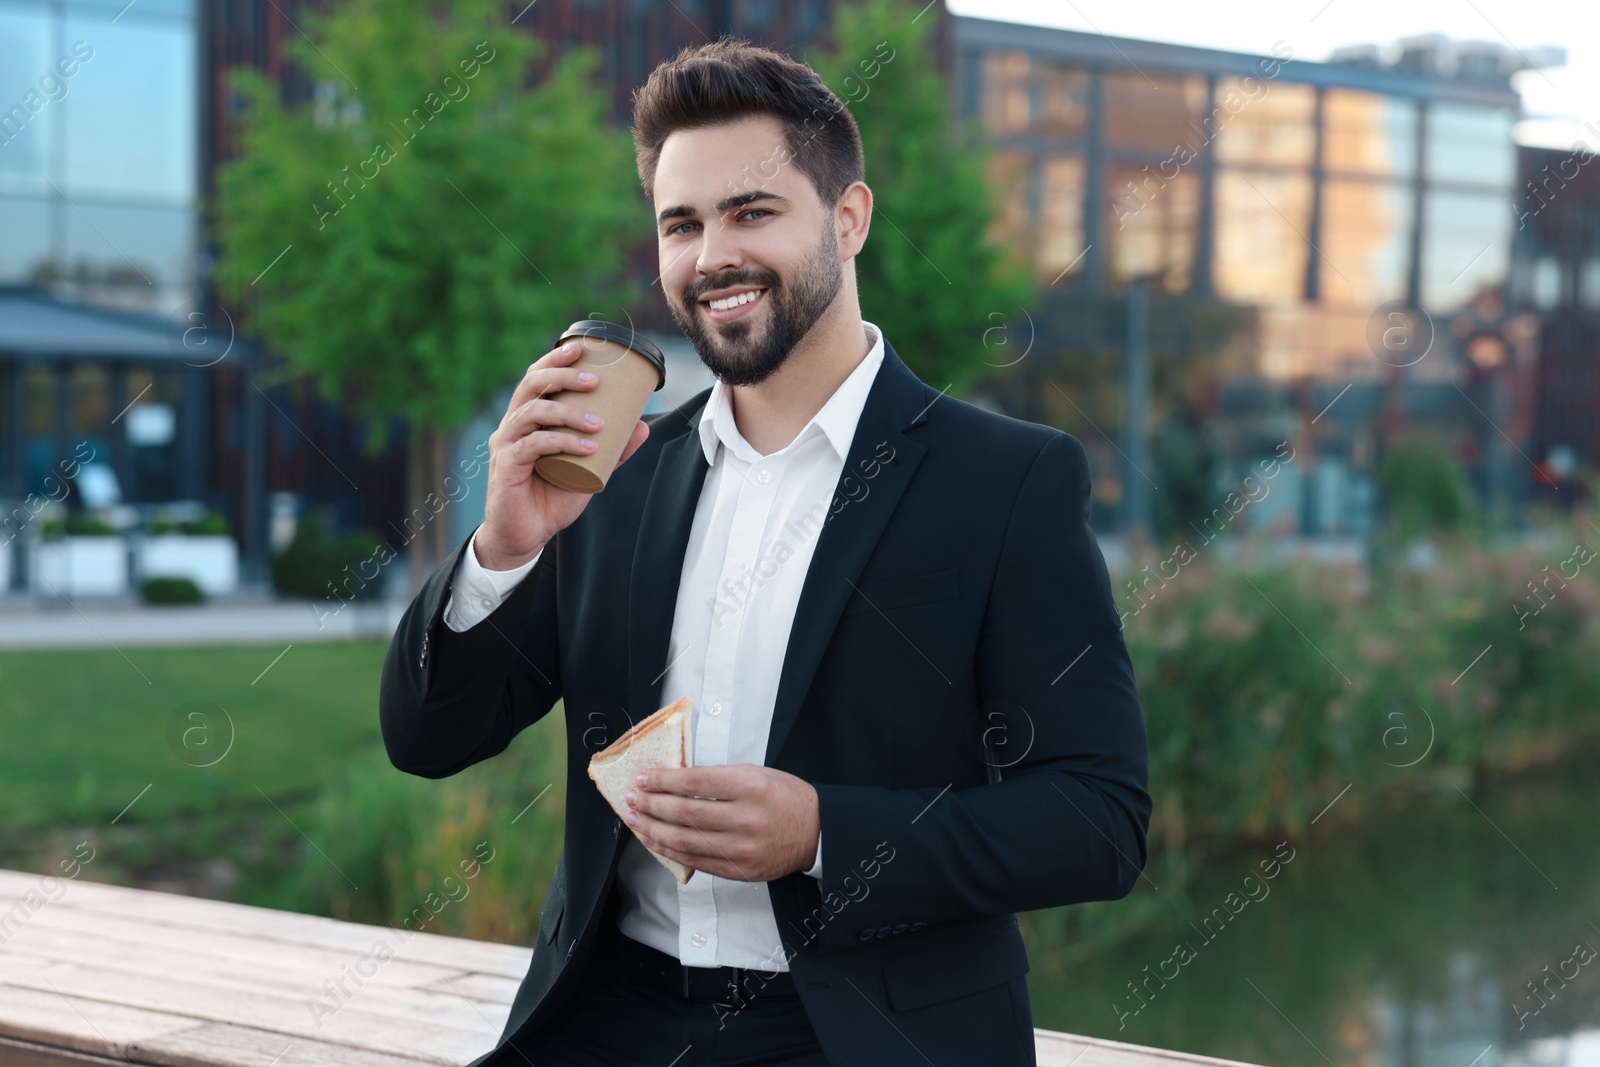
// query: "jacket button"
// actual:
[[422, 660], [865, 935], [918, 925], [885, 931], [571, 949], [901, 928]]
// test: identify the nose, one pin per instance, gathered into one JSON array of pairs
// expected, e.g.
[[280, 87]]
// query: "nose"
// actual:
[[719, 249]]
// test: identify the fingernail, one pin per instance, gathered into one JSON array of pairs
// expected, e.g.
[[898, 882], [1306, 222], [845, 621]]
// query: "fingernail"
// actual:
[[633, 798], [570, 346], [633, 818], [587, 444], [591, 418], [585, 376], [641, 780]]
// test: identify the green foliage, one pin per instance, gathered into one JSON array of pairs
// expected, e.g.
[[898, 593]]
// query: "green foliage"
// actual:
[[321, 562], [169, 590], [1186, 455], [1423, 489], [435, 219], [212, 524], [928, 274], [77, 524]]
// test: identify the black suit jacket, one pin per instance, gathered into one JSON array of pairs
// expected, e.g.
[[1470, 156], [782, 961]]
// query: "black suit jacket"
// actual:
[[955, 687]]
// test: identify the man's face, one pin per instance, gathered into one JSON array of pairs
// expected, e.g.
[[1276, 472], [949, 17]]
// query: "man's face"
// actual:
[[738, 220]]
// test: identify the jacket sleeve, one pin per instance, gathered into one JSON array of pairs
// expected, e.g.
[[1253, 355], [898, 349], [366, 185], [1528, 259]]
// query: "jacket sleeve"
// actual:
[[450, 699], [1067, 821]]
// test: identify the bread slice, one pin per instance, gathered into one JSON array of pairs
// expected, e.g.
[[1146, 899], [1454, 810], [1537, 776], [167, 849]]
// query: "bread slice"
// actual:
[[660, 740]]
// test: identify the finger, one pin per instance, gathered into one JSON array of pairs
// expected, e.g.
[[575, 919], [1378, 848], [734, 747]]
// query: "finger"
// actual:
[[534, 381], [525, 451], [723, 781], [683, 811], [641, 433], [538, 413]]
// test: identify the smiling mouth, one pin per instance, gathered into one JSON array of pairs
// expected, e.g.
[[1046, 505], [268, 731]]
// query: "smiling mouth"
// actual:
[[733, 307]]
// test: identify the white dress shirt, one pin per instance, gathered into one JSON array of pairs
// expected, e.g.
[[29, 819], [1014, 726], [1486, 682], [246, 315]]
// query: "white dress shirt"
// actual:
[[755, 528]]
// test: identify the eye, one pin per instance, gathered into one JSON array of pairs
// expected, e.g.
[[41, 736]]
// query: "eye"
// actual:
[[756, 211], [673, 230]]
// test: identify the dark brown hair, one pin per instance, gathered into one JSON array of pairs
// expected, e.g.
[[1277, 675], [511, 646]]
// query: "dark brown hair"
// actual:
[[731, 79]]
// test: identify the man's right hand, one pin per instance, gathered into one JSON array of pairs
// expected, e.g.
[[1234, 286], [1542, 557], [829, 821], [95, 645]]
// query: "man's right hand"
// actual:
[[523, 511]]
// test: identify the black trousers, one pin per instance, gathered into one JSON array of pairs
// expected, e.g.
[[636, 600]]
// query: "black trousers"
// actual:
[[613, 1022]]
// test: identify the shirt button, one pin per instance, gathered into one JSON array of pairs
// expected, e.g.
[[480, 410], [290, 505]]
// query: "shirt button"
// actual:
[[488, 603], [764, 477], [698, 940], [716, 708]]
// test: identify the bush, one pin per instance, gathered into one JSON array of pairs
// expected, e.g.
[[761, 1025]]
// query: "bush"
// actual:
[[1423, 489], [211, 524], [321, 562], [168, 590]]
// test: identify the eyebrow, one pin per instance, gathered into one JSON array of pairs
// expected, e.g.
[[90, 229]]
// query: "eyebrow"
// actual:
[[723, 206]]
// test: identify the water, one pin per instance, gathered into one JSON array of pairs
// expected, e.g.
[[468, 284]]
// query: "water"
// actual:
[[1437, 934]]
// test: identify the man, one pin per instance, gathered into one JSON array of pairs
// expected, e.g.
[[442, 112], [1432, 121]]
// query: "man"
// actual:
[[913, 712]]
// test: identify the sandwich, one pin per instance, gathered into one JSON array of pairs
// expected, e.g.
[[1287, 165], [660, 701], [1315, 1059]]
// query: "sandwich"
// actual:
[[661, 740]]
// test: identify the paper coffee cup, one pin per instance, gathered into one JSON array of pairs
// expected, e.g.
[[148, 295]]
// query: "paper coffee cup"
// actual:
[[630, 368]]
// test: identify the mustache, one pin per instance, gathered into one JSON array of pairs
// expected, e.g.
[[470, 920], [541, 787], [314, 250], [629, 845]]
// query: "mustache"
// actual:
[[692, 295]]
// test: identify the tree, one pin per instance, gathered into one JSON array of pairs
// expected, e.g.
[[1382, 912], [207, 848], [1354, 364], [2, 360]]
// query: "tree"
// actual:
[[928, 274], [413, 237]]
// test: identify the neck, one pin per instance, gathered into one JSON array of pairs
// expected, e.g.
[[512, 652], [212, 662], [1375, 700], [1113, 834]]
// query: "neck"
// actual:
[[770, 415]]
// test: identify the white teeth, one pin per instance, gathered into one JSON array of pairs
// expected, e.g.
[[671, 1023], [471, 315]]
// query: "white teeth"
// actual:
[[735, 301]]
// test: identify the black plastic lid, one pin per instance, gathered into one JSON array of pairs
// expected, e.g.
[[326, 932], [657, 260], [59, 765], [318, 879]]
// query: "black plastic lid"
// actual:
[[626, 336]]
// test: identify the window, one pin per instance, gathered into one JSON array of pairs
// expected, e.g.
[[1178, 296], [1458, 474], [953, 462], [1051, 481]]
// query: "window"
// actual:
[[1261, 245], [1262, 123], [1471, 144], [131, 127], [1466, 244], [1366, 241], [1063, 94], [1152, 115], [1060, 229], [1366, 133], [1150, 225], [1009, 177], [1006, 108]]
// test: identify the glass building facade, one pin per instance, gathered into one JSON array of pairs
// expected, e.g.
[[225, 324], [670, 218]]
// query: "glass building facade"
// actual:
[[99, 149], [1313, 194], [1262, 180]]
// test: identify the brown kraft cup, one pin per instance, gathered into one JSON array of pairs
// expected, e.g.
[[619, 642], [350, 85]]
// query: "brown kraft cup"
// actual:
[[629, 368]]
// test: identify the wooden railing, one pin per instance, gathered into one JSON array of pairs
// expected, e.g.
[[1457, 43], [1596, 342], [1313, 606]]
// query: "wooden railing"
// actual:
[[97, 974]]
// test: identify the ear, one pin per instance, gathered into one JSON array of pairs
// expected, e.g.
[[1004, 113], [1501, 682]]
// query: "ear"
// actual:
[[852, 218]]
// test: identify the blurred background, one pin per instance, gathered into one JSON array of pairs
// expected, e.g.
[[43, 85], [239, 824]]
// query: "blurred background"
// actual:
[[1317, 285]]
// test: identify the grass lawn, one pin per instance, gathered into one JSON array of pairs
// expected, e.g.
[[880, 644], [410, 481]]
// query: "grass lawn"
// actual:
[[83, 732], [266, 782]]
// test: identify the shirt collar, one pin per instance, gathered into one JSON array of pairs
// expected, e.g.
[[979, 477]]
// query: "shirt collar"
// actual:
[[836, 420]]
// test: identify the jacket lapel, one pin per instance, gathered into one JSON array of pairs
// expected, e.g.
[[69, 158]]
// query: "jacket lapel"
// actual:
[[658, 553], [879, 465], [877, 468]]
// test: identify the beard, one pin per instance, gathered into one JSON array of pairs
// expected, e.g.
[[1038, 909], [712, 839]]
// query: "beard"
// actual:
[[741, 353]]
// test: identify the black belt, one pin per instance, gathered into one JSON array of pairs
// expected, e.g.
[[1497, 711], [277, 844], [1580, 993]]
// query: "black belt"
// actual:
[[733, 986]]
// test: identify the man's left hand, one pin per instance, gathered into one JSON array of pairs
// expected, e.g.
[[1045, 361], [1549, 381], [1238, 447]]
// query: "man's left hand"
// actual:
[[761, 825]]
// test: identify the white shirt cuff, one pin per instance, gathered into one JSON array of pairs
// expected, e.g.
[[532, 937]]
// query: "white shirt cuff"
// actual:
[[477, 591], [816, 868]]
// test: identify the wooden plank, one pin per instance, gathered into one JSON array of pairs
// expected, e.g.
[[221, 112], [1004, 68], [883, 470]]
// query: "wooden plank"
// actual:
[[455, 1033], [195, 963], [1057, 1049], [171, 909], [172, 941], [15, 1053], [222, 1045], [58, 1018], [482, 987]]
